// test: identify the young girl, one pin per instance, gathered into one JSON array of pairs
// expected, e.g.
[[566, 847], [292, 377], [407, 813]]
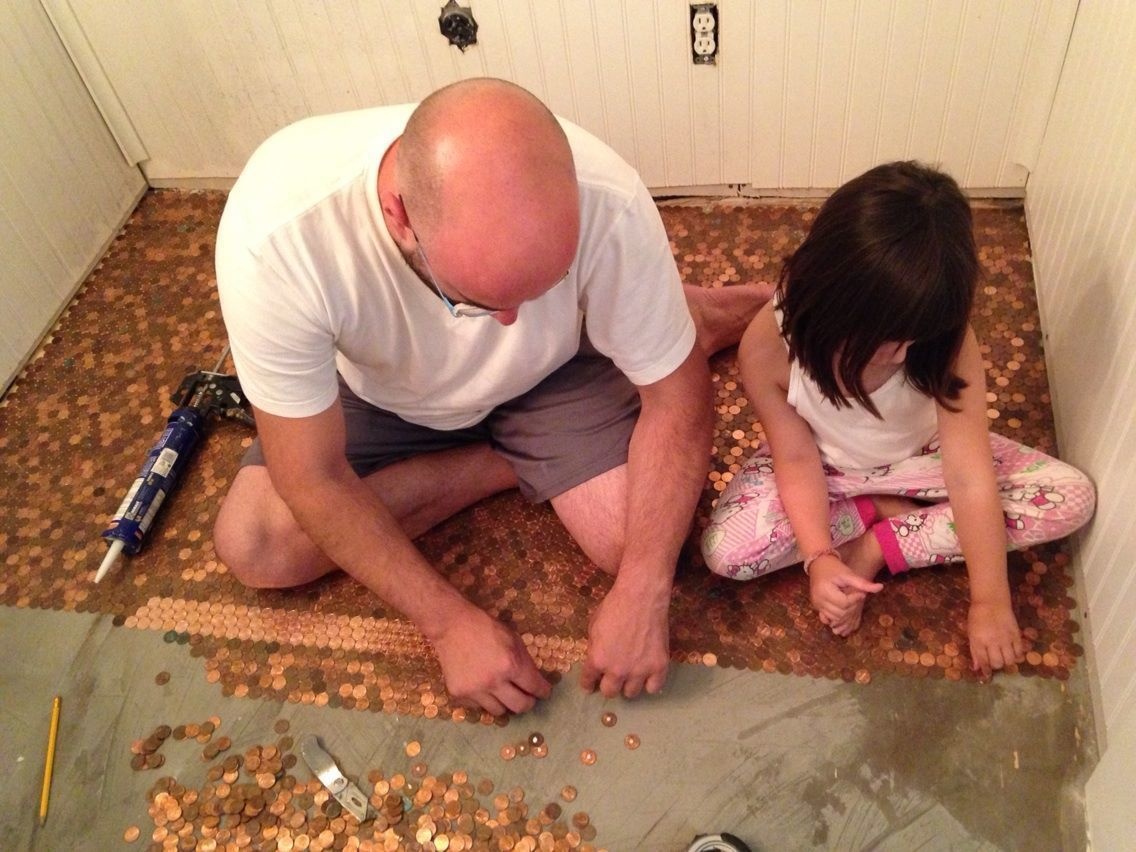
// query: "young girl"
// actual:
[[867, 378]]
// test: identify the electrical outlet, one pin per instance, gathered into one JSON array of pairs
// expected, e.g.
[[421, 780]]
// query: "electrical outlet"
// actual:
[[704, 33]]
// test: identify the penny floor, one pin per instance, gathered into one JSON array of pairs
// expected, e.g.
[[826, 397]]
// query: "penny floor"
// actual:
[[769, 728]]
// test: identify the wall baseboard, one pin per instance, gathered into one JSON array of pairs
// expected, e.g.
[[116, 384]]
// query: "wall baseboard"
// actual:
[[734, 190], [225, 183]]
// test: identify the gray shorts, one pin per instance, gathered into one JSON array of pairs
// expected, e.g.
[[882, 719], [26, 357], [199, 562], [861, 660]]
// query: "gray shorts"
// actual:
[[573, 426]]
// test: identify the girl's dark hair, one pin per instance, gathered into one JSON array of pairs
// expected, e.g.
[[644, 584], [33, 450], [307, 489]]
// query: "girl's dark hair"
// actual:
[[890, 258]]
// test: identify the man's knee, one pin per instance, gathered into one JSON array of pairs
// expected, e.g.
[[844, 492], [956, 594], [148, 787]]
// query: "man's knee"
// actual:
[[257, 549], [240, 549], [595, 515]]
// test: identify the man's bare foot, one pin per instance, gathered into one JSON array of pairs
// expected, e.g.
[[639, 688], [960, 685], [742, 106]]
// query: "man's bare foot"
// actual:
[[721, 314]]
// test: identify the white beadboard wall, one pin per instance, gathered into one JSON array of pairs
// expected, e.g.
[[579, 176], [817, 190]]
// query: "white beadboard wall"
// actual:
[[1081, 207], [64, 187], [806, 94]]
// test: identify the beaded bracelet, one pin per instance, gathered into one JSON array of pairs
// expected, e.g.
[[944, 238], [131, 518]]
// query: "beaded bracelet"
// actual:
[[815, 555]]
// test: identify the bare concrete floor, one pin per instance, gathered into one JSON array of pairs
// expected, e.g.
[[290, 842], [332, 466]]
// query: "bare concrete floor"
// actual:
[[783, 762]]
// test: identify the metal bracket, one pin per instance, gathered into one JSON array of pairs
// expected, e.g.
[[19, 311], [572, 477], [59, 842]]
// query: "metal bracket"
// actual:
[[326, 770]]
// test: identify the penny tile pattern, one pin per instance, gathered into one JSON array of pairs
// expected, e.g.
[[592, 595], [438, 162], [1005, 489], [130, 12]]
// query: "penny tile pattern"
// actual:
[[76, 425]]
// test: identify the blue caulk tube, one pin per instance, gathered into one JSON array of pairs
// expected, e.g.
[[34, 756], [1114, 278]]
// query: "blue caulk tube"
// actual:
[[159, 476], [167, 460]]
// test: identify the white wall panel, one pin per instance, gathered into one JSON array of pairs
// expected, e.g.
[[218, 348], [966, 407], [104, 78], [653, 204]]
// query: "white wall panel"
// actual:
[[550, 57], [737, 80], [611, 39], [805, 95], [23, 302], [1081, 204], [583, 78], [643, 62], [799, 93], [767, 51], [64, 185], [866, 84], [676, 100], [898, 85], [1005, 72]]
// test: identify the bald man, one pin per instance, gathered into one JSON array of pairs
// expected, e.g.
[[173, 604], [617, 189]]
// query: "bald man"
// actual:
[[428, 305]]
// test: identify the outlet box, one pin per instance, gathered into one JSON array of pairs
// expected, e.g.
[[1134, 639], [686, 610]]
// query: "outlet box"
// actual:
[[704, 33], [457, 24]]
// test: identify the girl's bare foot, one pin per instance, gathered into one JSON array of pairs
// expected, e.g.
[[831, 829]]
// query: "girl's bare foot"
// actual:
[[863, 556], [865, 559]]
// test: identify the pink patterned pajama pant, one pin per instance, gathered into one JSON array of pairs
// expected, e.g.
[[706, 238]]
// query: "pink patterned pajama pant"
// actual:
[[1043, 499]]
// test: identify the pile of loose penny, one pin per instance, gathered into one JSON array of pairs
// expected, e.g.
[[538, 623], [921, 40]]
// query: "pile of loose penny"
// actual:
[[447, 812], [252, 801], [145, 751]]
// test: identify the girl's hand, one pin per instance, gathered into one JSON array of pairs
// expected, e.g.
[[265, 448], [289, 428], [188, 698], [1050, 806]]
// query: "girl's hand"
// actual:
[[838, 594], [995, 639]]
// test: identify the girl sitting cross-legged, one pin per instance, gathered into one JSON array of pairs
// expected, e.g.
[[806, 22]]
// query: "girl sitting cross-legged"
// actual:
[[866, 376]]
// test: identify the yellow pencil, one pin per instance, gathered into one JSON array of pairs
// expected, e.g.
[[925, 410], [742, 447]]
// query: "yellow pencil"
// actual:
[[50, 762]]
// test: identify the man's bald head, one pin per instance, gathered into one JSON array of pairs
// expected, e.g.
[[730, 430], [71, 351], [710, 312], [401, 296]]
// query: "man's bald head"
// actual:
[[487, 179]]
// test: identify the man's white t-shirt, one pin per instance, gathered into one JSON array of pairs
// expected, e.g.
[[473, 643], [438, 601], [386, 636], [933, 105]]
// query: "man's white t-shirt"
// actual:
[[311, 282]]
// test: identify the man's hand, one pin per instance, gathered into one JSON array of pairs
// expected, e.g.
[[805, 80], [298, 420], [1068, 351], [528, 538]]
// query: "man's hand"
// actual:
[[628, 643], [838, 594], [995, 639], [487, 664]]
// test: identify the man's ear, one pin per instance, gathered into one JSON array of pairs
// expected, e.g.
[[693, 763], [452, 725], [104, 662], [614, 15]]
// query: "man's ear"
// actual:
[[397, 220]]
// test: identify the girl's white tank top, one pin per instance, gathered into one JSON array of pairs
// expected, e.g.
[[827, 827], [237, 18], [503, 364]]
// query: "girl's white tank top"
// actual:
[[853, 438]]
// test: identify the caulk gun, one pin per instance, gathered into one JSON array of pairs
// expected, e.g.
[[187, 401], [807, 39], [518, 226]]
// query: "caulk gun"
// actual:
[[199, 395]]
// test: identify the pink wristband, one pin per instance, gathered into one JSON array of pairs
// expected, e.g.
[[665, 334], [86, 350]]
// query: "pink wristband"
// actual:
[[817, 554]]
